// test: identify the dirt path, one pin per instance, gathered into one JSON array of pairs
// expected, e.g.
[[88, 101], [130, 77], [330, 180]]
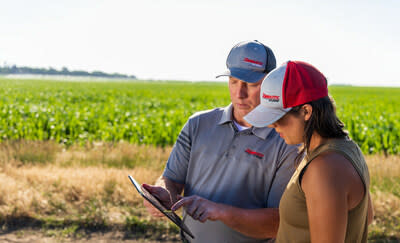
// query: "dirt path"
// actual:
[[28, 236]]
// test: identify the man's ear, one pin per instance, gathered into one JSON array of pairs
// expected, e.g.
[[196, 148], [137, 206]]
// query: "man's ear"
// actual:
[[307, 111]]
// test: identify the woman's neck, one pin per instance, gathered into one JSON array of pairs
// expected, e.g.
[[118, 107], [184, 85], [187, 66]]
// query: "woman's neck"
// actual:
[[315, 141]]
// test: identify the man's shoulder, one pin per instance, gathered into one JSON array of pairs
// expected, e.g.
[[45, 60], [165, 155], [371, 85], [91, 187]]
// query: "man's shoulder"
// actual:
[[212, 113]]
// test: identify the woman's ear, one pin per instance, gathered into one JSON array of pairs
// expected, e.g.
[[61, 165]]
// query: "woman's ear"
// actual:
[[307, 111]]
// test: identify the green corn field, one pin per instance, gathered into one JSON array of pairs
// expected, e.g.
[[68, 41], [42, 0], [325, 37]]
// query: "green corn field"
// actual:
[[153, 113]]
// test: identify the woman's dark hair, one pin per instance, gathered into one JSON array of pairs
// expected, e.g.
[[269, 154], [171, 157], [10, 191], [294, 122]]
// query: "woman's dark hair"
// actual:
[[323, 120]]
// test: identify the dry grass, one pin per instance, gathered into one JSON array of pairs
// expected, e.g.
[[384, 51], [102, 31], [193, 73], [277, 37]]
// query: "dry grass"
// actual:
[[119, 155], [381, 166], [47, 185], [89, 185], [385, 188], [31, 190]]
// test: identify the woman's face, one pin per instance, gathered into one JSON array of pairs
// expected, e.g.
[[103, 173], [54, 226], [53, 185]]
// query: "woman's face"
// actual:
[[291, 126]]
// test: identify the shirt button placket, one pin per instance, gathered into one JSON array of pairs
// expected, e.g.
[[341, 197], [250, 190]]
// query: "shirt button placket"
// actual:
[[232, 146]]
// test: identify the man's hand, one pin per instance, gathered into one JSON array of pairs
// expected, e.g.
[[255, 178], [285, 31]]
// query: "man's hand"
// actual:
[[162, 195], [199, 208]]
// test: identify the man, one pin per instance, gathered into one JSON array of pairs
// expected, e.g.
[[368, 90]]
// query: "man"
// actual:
[[232, 174]]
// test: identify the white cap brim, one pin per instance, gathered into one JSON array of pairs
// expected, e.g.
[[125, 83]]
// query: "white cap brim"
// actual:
[[263, 116]]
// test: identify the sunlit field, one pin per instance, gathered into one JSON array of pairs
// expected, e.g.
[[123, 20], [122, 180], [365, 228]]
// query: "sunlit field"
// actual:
[[154, 112], [67, 148]]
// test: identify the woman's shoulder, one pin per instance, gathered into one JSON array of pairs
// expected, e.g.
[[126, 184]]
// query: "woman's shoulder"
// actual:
[[328, 163], [329, 169]]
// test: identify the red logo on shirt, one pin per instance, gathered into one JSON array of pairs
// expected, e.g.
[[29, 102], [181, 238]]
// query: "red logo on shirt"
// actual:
[[249, 151], [271, 98]]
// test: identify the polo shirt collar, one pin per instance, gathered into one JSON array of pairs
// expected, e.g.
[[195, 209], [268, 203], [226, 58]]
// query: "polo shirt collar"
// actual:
[[261, 132], [226, 115]]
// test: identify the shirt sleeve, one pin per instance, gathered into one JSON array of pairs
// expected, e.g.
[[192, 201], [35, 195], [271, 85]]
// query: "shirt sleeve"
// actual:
[[177, 164], [285, 169]]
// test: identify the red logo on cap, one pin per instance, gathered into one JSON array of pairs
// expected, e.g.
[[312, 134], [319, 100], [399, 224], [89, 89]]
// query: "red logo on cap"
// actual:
[[271, 98], [258, 63]]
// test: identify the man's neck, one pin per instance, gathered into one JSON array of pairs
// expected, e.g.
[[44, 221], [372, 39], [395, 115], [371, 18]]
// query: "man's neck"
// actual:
[[241, 121], [240, 127]]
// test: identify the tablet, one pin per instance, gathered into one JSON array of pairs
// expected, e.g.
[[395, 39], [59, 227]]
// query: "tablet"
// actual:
[[154, 201]]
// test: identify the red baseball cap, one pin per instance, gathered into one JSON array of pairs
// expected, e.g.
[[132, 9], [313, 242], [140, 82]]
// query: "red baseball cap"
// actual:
[[292, 84]]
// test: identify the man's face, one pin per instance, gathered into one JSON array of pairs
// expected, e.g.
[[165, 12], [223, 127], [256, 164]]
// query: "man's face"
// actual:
[[244, 97]]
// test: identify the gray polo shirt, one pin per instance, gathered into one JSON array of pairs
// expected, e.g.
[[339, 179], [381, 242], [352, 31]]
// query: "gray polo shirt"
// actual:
[[246, 169]]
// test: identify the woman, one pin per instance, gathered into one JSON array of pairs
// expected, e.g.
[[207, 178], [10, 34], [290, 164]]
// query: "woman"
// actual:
[[327, 199]]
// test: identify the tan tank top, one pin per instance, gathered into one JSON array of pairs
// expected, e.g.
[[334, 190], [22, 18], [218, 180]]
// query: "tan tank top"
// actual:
[[293, 225]]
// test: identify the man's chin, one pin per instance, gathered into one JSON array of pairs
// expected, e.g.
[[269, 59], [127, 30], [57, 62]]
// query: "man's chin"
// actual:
[[243, 112]]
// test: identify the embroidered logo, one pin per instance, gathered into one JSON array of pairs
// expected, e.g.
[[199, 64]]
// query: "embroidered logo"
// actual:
[[259, 155], [271, 98], [253, 62]]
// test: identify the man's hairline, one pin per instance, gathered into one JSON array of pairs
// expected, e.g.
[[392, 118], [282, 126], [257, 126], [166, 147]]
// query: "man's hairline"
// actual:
[[259, 81]]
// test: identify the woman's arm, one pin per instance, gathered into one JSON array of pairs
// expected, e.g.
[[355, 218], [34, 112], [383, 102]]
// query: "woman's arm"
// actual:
[[332, 187]]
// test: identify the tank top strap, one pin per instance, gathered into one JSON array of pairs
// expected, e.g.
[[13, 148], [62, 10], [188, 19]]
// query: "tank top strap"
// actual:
[[333, 145]]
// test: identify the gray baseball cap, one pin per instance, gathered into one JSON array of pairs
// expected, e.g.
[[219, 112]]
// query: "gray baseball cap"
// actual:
[[249, 61]]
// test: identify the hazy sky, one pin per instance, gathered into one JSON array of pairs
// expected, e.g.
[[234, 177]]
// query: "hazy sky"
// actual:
[[352, 42]]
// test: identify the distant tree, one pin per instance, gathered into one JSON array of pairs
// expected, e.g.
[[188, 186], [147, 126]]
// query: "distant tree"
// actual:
[[64, 71], [13, 69]]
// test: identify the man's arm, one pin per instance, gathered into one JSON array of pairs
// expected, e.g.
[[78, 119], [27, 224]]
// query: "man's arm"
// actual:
[[257, 223], [285, 167], [166, 190]]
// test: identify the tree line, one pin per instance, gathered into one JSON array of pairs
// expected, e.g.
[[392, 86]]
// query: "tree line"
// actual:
[[64, 71]]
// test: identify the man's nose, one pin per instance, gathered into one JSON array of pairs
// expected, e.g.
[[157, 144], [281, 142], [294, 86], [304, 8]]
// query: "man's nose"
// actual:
[[242, 91]]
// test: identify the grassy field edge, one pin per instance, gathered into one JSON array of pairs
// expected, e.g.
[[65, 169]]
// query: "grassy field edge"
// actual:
[[74, 191]]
